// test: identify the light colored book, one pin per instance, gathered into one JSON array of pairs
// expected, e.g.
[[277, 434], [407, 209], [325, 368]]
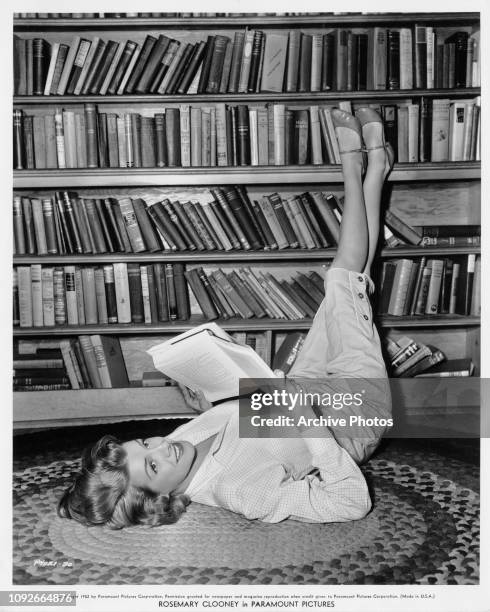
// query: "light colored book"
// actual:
[[440, 130], [208, 359], [275, 51]]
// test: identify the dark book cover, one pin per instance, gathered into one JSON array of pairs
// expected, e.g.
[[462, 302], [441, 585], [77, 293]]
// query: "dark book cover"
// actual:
[[460, 41], [58, 68], [228, 221], [160, 141], [341, 59], [286, 354], [447, 276], [213, 295], [171, 295], [297, 298], [29, 66], [160, 227], [255, 60], [277, 205], [30, 236], [310, 287], [240, 212], [135, 293], [110, 294], [328, 61], [206, 67], [180, 229], [161, 287], [136, 139], [28, 130], [361, 62], [18, 140], [83, 229], [202, 224], [259, 238], [41, 52], [180, 71], [164, 66], [108, 238], [95, 225], [236, 60], [201, 295], [148, 157], [69, 203], [146, 50], [172, 134], [288, 137], [102, 140], [301, 137], [393, 60], [425, 129], [420, 57], [91, 135], [268, 236], [311, 221], [121, 226], [304, 81], [113, 225], [325, 216], [181, 292], [115, 362], [152, 290], [216, 67], [192, 67], [186, 222], [93, 71], [243, 132], [141, 211], [125, 59], [103, 67], [389, 275], [388, 112], [170, 229], [246, 295], [154, 58]]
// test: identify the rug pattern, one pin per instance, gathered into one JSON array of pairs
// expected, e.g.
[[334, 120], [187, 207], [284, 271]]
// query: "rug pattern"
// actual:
[[424, 529]]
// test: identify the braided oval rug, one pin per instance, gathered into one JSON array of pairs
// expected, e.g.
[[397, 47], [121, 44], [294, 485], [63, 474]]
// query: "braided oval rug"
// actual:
[[423, 529]]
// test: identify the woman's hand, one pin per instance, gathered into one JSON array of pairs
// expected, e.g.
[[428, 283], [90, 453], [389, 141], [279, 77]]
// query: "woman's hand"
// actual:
[[195, 399]]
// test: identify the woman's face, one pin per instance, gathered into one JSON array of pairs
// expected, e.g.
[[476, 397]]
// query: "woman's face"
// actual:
[[158, 464]]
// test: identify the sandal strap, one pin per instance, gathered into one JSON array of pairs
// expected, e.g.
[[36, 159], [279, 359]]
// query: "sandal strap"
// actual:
[[361, 150], [375, 148]]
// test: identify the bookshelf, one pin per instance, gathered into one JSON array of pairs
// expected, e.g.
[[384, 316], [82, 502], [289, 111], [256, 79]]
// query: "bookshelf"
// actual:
[[421, 193]]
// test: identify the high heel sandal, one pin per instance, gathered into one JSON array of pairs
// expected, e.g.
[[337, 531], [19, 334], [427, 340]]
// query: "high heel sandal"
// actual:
[[367, 115], [342, 119]]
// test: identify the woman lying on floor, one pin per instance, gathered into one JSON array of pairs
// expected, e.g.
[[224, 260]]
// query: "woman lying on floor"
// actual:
[[317, 479]]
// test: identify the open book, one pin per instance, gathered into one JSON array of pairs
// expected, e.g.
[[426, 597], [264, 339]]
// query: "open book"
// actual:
[[208, 359]]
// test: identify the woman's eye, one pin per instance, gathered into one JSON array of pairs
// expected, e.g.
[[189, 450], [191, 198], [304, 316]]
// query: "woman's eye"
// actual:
[[145, 443], [153, 467]]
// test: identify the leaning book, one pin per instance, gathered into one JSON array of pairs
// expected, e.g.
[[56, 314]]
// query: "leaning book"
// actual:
[[208, 359]]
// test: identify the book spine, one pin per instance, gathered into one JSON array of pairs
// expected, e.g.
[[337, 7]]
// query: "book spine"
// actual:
[[110, 294], [100, 296], [122, 292], [135, 293], [60, 316], [89, 295], [70, 295]]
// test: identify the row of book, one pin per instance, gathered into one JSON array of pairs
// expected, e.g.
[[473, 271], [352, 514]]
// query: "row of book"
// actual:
[[44, 296], [253, 61], [223, 218], [85, 362], [430, 286], [224, 135], [153, 15], [218, 219], [410, 358], [119, 293]]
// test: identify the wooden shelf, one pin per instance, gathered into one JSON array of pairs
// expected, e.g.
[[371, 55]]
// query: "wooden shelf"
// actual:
[[305, 98], [271, 21], [40, 409], [237, 325], [244, 257], [250, 175], [96, 406]]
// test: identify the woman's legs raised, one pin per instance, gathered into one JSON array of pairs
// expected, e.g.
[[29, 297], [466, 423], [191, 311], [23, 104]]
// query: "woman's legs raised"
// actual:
[[380, 162], [353, 245]]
